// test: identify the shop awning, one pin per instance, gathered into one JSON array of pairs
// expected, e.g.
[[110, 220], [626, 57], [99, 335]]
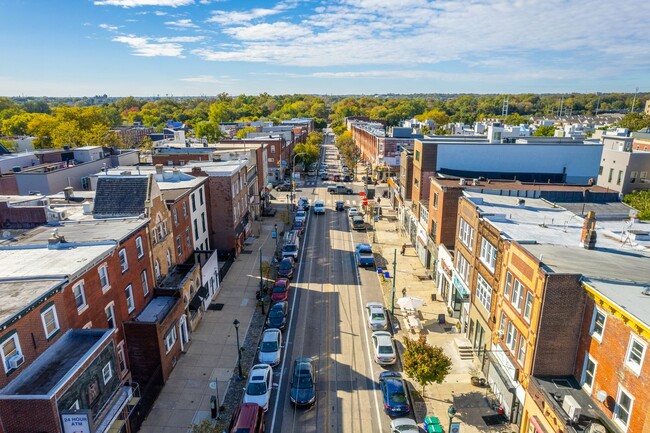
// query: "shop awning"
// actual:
[[200, 296]]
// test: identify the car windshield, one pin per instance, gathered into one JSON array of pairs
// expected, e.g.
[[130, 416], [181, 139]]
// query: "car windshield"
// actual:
[[377, 316], [397, 395], [276, 315], [256, 388], [385, 350], [279, 289], [269, 346], [302, 380], [289, 248], [285, 266]]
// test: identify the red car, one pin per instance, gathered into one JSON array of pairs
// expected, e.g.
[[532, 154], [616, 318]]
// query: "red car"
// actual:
[[280, 290]]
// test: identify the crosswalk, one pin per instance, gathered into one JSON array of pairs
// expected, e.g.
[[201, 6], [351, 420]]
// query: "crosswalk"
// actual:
[[348, 203]]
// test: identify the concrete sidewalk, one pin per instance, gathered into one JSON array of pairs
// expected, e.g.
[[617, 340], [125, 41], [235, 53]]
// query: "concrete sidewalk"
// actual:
[[212, 355], [456, 390]]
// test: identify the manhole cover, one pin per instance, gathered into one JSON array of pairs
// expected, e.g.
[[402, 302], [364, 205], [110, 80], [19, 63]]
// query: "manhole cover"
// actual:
[[218, 307]]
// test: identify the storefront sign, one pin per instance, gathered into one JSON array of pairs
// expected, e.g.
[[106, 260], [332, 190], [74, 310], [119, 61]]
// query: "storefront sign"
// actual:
[[76, 422], [460, 288], [455, 427]]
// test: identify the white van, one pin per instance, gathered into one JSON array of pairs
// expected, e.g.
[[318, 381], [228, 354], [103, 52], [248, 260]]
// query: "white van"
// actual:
[[319, 207], [291, 245]]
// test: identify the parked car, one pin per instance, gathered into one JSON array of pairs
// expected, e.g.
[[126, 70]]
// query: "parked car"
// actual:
[[340, 205], [404, 425], [376, 316], [358, 223], [270, 347], [299, 227], [247, 417], [284, 186], [303, 383], [393, 390], [324, 176], [301, 215], [259, 385], [382, 342], [280, 291], [285, 268], [353, 211], [303, 203], [364, 256], [278, 315], [337, 178], [347, 178]]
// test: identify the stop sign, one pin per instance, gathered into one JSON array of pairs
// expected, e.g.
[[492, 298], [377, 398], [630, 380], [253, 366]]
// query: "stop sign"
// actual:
[[362, 194]]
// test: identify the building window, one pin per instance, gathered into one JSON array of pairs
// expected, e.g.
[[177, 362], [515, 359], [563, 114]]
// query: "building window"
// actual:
[[203, 222], [79, 295], [184, 209], [635, 354], [273, 148], [517, 294], [528, 306], [417, 155], [11, 351], [156, 269], [75, 405], [589, 373], [138, 247], [600, 171], [508, 286], [169, 259], [145, 282], [483, 292], [620, 176], [110, 315], [611, 175], [179, 246], [521, 353], [201, 196], [124, 264], [170, 338], [597, 324], [107, 373], [623, 409], [193, 198], [188, 238], [466, 233], [175, 216], [50, 321], [121, 357], [130, 302], [435, 200], [103, 278], [633, 175], [502, 324], [416, 182], [488, 254], [463, 267], [511, 337]]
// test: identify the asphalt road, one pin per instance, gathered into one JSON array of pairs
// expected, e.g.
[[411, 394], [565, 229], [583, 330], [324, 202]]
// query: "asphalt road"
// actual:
[[328, 325]]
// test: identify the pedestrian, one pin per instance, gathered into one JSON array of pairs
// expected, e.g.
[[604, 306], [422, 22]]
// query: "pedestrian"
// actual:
[[404, 292], [403, 249]]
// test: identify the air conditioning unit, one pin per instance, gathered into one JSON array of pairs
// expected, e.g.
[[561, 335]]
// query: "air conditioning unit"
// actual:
[[16, 361], [572, 408], [475, 182], [462, 182]]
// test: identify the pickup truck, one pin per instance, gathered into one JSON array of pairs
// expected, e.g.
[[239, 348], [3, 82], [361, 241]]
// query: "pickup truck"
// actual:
[[342, 189], [358, 223], [364, 256]]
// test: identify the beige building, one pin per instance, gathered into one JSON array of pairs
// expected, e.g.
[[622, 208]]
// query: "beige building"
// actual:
[[621, 168]]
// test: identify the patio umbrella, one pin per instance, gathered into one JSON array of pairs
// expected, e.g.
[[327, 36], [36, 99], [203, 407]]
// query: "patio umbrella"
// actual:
[[410, 302]]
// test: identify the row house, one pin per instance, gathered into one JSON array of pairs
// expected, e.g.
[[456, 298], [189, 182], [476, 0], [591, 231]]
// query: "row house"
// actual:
[[542, 304]]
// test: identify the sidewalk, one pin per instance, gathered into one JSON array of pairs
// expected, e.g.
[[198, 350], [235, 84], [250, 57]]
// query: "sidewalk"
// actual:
[[457, 389], [212, 356]]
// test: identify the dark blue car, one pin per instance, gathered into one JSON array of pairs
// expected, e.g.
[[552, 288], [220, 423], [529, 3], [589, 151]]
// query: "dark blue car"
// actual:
[[393, 390], [278, 315]]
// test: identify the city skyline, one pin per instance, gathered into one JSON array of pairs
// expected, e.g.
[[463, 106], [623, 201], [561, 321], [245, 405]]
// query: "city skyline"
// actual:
[[198, 47]]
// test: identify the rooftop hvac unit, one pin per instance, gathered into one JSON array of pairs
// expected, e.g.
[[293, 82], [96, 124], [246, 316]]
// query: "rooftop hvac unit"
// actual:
[[462, 182], [475, 182], [572, 408]]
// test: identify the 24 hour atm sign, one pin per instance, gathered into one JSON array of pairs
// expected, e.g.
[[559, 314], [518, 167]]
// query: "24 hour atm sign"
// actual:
[[76, 423]]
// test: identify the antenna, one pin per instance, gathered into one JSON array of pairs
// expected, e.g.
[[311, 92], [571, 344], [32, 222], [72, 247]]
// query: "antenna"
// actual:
[[504, 109], [634, 100]]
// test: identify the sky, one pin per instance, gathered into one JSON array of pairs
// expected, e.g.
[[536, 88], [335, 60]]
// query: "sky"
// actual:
[[206, 47]]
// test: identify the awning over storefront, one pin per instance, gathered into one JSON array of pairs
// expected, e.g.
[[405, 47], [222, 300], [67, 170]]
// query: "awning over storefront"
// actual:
[[199, 297], [536, 425], [460, 288]]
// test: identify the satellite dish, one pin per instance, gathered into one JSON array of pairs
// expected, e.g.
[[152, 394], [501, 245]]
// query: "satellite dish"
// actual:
[[601, 396], [6, 234]]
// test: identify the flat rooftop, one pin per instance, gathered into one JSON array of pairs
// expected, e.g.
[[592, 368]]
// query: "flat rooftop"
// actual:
[[56, 364], [169, 179], [157, 309], [92, 230], [513, 185], [18, 295]]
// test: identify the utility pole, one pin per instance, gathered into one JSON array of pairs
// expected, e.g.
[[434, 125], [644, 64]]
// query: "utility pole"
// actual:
[[634, 100], [392, 302]]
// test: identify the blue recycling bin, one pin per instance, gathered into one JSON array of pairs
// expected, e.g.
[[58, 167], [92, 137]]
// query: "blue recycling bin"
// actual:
[[380, 271], [386, 274]]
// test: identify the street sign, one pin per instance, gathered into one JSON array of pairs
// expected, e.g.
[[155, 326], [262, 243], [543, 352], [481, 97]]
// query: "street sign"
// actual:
[[362, 194], [455, 427], [274, 234]]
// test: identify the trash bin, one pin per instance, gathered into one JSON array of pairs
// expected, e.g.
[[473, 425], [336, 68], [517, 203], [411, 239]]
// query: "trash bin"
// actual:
[[213, 406], [433, 296]]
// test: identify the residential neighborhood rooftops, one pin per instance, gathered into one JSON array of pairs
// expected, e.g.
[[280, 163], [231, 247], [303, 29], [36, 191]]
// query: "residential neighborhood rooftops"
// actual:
[[121, 195], [156, 309], [17, 295], [84, 231]]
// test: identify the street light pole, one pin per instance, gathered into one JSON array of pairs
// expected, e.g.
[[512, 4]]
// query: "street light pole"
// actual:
[[236, 323], [451, 412], [293, 172], [275, 228], [392, 302]]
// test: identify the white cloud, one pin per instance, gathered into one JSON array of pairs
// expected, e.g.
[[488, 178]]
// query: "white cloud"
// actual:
[[138, 3], [160, 13], [143, 46], [266, 31], [184, 23], [181, 39], [109, 27], [239, 17]]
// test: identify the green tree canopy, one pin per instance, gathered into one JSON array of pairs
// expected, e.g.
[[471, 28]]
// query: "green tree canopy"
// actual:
[[209, 130], [309, 153], [425, 363], [635, 121], [544, 131], [639, 200]]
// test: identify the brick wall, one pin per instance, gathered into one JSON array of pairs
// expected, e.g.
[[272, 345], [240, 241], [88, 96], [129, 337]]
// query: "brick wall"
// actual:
[[445, 214], [179, 226], [21, 217], [144, 356], [8, 185], [42, 416], [180, 159], [559, 327], [611, 371]]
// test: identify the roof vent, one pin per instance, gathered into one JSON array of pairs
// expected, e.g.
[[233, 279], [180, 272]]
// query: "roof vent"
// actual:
[[475, 182], [521, 202], [462, 182]]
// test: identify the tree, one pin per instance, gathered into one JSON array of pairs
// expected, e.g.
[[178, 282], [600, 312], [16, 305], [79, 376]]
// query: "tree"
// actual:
[[639, 200], [243, 133], [310, 154], [635, 121], [544, 131], [425, 363], [515, 119], [209, 130], [204, 426]]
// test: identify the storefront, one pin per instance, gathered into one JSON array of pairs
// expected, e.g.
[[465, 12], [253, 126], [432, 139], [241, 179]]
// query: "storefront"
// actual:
[[421, 244], [444, 275], [460, 301], [503, 377]]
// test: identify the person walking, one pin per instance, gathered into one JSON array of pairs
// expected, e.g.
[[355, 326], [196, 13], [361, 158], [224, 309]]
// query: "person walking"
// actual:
[[403, 249]]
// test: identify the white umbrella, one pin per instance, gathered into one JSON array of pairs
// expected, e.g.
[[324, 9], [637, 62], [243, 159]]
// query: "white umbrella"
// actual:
[[410, 302]]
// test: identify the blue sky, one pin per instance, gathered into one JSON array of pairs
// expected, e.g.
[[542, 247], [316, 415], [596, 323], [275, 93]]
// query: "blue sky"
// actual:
[[205, 47]]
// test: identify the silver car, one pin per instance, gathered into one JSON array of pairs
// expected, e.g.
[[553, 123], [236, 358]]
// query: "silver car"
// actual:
[[376, 316], [270, 347], [382, 342], [404, 425]]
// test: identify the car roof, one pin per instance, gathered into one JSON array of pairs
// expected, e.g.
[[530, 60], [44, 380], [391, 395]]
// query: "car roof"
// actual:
[[365, 246], [383, 337], [374, 305], [270, 334], [281, 282]]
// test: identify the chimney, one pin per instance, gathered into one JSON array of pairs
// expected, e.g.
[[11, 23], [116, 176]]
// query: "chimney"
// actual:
[[55, 240], [588, 237], [196, 171], [159, 168], [68, 193]]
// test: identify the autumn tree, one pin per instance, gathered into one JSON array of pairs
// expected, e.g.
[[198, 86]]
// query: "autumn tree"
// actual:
[[307, 153], [209, 130], [425, 363], [635, 121], [544, 131]]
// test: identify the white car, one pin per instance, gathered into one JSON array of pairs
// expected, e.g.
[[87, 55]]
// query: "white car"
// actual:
[[376, 316], [270, 347], [259, 385], [382, 341], [301, 215], [403, 425], [353, 211]]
